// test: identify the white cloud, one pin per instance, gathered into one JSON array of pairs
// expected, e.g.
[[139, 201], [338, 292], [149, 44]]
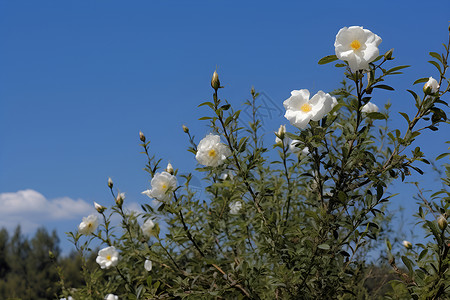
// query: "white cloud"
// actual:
[[31, 209]]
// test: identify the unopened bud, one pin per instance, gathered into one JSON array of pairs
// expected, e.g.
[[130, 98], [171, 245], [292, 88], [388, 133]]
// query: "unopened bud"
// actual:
[[142, 136], [185, 129], [442, 222], [281, 131], [388, 55], [169, 169], [119, 199], [110, 183], [407, 244], [431, 87], [51, 255], [99, 207], [215, 83]]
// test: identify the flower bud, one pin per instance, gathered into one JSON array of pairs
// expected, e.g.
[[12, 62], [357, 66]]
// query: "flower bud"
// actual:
[[215, 83], [281, 132], [169, 169], [99, 207], [388, 55], [185, 129], [442, 222], [407, 245], [431, 87], [51, 255], [110, 183], [119, 199], [142, 136]]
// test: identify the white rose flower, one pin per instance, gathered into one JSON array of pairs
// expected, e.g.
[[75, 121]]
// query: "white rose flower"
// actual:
[[357, 46], [294, 149], [148, 228], [148, 265], [431, 86], [300, 109], [108, 257], [88, 225], [369, 107], [68, 298], [211, 152], [111, 297], [163, 184], [235, 207]]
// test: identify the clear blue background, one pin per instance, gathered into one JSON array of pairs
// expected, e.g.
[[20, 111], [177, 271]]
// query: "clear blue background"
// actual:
[[79, 79]]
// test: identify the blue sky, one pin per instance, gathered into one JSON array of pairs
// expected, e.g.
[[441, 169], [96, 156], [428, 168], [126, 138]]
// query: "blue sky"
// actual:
[[79, 79]]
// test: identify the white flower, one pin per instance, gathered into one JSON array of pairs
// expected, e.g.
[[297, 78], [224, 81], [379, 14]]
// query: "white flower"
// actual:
[[431, 86], [235, 207], [369, 107], [357, 46], [148, 265], [108, 257], [211, 152], [88, 225], [407, 244], [300, 109], [111, 297], [149, 228], [294, 149], [163, 184], [68, 298]]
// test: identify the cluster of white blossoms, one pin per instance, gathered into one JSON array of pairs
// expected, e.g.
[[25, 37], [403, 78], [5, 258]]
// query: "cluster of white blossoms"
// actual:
[[369, 107], [111, 297], [88, 225], [300, 109], [357, 46], [163, 184], [108, 257], [211, 152]]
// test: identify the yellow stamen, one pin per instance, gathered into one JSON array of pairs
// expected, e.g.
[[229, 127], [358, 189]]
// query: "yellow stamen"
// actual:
[[212, 153], [355, 45], [305, 108], [108, 257], [164, 186]]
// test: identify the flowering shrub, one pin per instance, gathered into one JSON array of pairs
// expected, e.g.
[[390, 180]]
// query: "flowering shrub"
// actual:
[[291, 223]]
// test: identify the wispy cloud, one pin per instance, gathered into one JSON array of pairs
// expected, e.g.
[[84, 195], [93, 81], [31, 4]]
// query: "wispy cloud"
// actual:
[[31, 209]]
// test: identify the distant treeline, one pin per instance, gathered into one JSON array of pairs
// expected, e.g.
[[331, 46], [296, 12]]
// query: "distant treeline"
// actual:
[[28, 272]]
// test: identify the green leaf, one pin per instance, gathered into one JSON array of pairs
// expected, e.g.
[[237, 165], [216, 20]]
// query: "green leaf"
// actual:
[[406, 117], [408, 263], [327, 59], [397, 68], [442, 156], [207, 103], [421, 80], [376, 116], [205, 118], [384, 87], [324, 246], [437, 56], [436, 65]]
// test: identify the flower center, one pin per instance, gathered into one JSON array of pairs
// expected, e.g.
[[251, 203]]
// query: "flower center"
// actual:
[[164, 186], [305, 108], [212, 153], [90, 225], [355, 45], [108, 257]]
